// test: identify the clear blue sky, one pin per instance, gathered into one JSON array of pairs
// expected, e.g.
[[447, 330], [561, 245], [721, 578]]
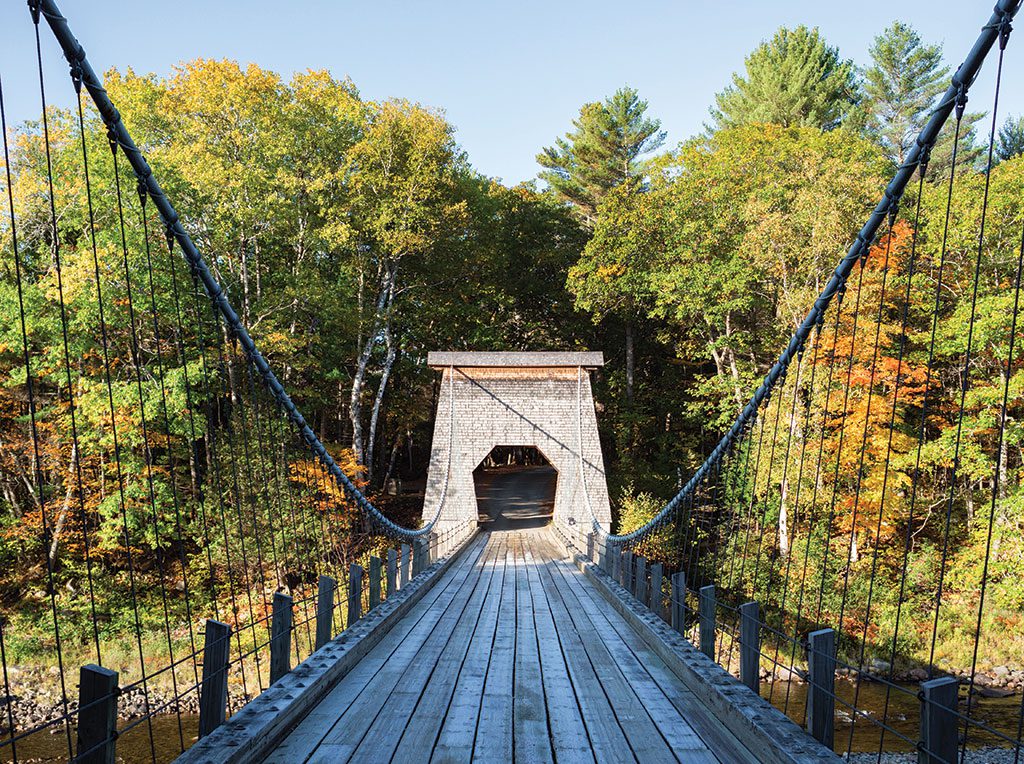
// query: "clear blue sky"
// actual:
[[510, 76]]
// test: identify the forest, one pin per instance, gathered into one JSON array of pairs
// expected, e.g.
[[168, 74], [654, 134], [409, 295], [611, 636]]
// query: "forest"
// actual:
[[354, 236]]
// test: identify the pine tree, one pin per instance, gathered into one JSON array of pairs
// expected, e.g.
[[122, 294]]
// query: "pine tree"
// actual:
[[795, 79], [1010, 142], [603, 151], [902, 83]]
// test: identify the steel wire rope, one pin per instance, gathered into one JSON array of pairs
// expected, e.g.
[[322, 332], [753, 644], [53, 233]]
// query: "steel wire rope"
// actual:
[[200, 496], [1004, 34], [859, 474], [136, 361], [996, 486], [783, 520], [904, 322], [212, 424], [122, 500], [965, 376], [854, 318], [230, 392], [7, 694], [172, 462], [55, 250]]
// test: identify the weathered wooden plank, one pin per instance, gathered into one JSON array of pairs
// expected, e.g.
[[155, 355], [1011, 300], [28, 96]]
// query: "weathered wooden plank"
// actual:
[[407, 726], [325, 610], [375, 576], [392, 569], [719, 740], [409, 665], [627, 677], [455, 741], [569, 738], [821, 699], [750, 645], [707, 612], [939, 724], [529, 715], [409, 632], [677, 605], [655, 601], [494, 726], [355, 593], [406, 564], [606, 734], [640, 579]]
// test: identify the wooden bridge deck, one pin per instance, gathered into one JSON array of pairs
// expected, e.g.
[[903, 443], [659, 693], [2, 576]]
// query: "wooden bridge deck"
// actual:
[[513, 655]]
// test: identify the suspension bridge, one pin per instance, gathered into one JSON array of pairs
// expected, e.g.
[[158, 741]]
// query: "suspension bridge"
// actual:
[[544, 638]]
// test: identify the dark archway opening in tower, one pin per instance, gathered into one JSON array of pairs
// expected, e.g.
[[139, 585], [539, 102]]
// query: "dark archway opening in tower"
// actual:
[[515, 488]]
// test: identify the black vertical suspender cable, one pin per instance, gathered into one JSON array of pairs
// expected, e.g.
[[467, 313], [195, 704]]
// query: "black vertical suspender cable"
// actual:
[[904, 324], [28, 375], [31, 397], [965, 378]]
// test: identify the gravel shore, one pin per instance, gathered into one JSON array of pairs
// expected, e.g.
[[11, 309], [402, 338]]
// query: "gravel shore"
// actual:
[[975, 756]]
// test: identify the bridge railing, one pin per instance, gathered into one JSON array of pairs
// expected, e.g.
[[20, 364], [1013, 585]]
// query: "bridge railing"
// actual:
[[163, 479], [871, 488]]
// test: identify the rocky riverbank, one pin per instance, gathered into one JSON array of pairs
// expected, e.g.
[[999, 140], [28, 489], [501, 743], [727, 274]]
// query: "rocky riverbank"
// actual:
[[1000, 682], [35, 699], [976, 756]]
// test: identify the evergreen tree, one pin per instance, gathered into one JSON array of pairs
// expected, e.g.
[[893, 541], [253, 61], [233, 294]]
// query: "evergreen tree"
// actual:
[[603, 151], [796, 79], [1010, 142], [902, 83]]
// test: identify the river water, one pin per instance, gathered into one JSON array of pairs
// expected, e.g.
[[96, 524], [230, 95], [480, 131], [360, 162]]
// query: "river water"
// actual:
[[1001, 714]]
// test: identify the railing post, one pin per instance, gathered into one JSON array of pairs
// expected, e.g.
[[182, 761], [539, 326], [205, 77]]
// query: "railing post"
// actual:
[[280, 636], [213, 694], [821, 676], [355, 593], [392, 572], [420, 553], [590, 547], [640, 579], [627, 571], [706, 607], [324, 610], [405, 562], [375, 574], [750, 645], [615, 562], [602, 554], [655, 594], [939, 728], [97, 715], [677, 607]]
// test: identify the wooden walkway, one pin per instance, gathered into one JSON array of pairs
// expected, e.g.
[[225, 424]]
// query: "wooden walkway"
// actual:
[[512, 656]]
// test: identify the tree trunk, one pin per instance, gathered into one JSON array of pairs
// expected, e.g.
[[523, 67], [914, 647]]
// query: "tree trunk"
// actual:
[[359, 378], [783, 520], [629, 360], [389, 362], [62, 516], [1003, 445]]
